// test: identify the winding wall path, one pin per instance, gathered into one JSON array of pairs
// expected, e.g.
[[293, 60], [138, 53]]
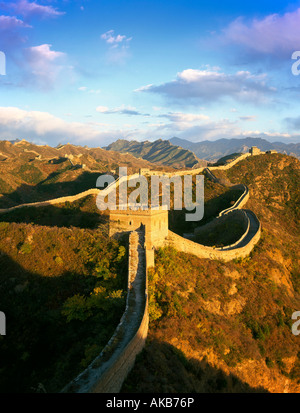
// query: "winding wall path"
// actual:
[[108, 371]]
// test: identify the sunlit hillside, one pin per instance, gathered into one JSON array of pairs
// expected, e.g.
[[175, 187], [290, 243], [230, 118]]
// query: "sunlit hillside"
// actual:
[[226, 327]]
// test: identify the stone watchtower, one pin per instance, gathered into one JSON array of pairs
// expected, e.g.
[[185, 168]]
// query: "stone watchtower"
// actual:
[[154, 221], [254, 151]]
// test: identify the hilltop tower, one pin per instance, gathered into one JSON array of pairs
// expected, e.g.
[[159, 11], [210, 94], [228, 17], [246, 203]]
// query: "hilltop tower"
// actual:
[[254, 151], [155, 222]]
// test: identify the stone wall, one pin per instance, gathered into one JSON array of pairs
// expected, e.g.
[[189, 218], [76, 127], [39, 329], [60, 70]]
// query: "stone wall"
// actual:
[[243, 199], [230, 164], [240, 249], [237, 205], [72, 198], [154, 221], [55, 201], [199, 170], [226, 254], [108, 371]]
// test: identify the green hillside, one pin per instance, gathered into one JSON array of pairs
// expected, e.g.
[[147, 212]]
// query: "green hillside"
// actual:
[[63, 291]]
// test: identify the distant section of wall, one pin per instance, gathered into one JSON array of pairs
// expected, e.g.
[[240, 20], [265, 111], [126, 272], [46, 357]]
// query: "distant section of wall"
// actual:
[[199, 170], [108, 371], [241, 249], [230, 164], [243, 199], [237, 205], [55, 201], [72, 198]]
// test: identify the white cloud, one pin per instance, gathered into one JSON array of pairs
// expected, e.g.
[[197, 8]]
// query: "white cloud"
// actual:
[[248, 118], [43, 66], [91, 91], [44, 127], [193, 86], [274, 35]]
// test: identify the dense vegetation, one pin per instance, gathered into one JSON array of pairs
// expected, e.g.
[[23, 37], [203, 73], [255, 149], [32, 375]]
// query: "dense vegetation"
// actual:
[[63, 292]]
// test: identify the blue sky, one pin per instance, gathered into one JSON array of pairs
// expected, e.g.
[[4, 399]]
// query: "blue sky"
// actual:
[[93, 71]]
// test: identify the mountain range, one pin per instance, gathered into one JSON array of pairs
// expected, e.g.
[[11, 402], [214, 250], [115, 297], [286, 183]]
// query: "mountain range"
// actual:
[[161, 152], [30, 173], [213, 150]]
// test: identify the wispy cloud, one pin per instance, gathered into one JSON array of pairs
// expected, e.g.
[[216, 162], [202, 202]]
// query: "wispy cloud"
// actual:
[[203, 86], [293, 122], [113, 40], [28, 9], [248, 118], [274, 35], [122, 110], [87, 90], [179, 117], [118, 51], [11, 32], [43, 127], [11, 22]]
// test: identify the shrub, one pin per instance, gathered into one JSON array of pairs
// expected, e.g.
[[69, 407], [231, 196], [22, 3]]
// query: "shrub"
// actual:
[[25, 248]]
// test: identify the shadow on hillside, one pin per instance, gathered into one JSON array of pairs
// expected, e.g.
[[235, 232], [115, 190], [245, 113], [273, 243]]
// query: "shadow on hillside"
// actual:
[[49, 189], [212, 208], [41, 350], [68, 215], [162, 368]]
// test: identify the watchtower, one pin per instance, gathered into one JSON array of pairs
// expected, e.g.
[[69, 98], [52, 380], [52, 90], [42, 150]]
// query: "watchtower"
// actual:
[[254, 150], [155, 222]]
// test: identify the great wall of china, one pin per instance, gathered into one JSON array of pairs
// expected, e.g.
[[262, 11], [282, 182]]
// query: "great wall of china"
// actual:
[[108, 371]]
